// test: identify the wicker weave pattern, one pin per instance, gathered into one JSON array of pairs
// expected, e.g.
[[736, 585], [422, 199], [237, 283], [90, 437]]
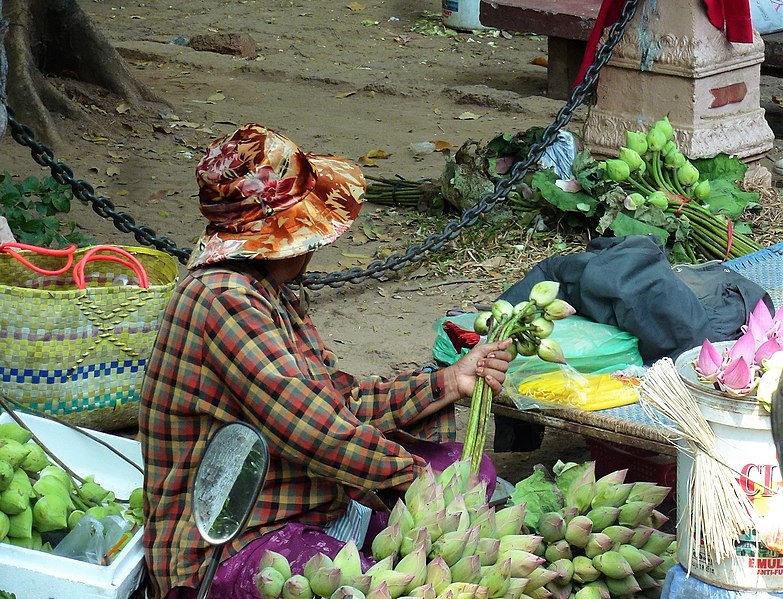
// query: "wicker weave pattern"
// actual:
[[81, 354]]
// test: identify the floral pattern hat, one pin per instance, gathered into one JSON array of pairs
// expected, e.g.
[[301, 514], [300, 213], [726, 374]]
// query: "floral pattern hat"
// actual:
[[266, 199]]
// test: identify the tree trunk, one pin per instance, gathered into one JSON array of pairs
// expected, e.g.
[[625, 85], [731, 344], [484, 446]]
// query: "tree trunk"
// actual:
[[53, 47]]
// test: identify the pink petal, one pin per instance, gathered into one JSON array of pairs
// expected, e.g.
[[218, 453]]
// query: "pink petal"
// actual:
[[762, 316], [709, 361], [744, 347], [766, 349], [737, 375]]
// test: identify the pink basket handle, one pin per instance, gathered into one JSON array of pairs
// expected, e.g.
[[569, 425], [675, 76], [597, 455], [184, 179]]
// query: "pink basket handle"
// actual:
[[125, 258], [11, 248]]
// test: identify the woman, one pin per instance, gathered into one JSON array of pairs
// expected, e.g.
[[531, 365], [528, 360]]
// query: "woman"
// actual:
[[236, 344]]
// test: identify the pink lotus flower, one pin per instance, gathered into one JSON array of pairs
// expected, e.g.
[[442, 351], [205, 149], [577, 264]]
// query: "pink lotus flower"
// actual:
[[760, 317], [766, 349], [709, 364], [738, 378], [744, 347]]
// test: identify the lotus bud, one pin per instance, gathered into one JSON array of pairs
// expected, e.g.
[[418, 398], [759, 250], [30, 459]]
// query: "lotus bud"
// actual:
[[471, 541], [649, 492], [438, 574], [622, 586], [361, 582], [544, 293], [5, 525], [587, 593], [433, 522], [269, 583], [549, 350], [401, 515], [50, 513], [542, 327], [414, 563], [455, 522], [325, 581], [656, 140], [597, 543], [277, 561], [53, 470], [658, 199], [457, 507], [420, 486], [386, 543], [612, 565], [635, 558], [424, 591], [482, 322], [379, 592], [396, 582], [15, 431], [631, 158], [21, 525], [577, 530], [346, 592], [92, 493], [466, 569], [634, 513], [319, 560], [488, 549], [688, 174], [647, 582], [525, 347], [551, 526], [50, 485], [458, 471], [99, 512], [612, 496], [538, 578], [603, 516], [558, 550], [658, 519], [634, 201], [601, 587], [14, 500], [73, 518], [620, 535], [559, 591], [497, 578], [520, 542], [702, 190], [660, 570], [558, 310], [510, 520], [617, 170], [416, 537], [476, 495], [516, 588], [564, 569], [387, 563], [665, 127], [486, 523], [658, 542], [6, 475], [427, 499], [36, 459], [636, 141], [522, 562], [502, 310], [13, 452], [584, 570]]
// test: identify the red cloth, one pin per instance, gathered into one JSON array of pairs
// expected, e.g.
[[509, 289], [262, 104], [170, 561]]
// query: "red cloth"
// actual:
[[460, 338], [730, 16]]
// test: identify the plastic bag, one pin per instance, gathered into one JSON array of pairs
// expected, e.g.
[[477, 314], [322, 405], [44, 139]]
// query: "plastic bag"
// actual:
[[95, 541], [767, 15]]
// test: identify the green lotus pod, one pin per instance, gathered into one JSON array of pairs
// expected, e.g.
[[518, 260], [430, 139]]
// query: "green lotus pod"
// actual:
[[617, 170], [578, 529], [298, 587], [564, 569], [551, 526], [466, 569], [277, 561], [647, 582], [15, 431], [600, 586], [658, 542], [74, 517], [387, 542], [414, 563], [702, 191], [496, 578], [587, 593], [522, 542], [584, 570], [522, 562], [539, 578], [597, 543], [635, 558], [631, 158], [325, 581], [6, 475], [36, 459], [559, 549], [400, 514], [50, 512], [641, 534], [424, 591], [438, 574], [611, 495], [21, 525], [658, 199], [544, 293], [346, 592], [396, 582], [633, 513], [636, 141], [269, 583], [13, 452], [659, 571], [415, 537], [488, 550], [379, 592], [14, 500], [5, 525], [450, 547], [549, 350], [688, 174], [620, 535], [603, 516], [622, 586], [612, 565], [655, 140], [650, 493]]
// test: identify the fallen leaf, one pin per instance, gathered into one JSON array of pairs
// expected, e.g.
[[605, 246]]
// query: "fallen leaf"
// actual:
[[370, 233], [369, 23], [161, 129], [123, 107], [355, 6], [218, 97], [437, 111], [377, 154], [165, 213], [122, 193], [366, 161], [345, 94], [494, 262], [441, 145], [468, 116], [381, 292], [112, 171], [540, 61], [94, 138]]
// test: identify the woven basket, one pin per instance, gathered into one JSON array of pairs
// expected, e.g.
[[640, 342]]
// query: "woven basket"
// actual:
[[80, 354]]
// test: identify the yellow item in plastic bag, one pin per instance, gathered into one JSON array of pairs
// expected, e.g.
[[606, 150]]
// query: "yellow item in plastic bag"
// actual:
[[569, 388]]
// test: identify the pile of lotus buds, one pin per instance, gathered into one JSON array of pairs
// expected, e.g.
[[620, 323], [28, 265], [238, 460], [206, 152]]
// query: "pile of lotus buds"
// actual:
[[39, 497], [444, 541]]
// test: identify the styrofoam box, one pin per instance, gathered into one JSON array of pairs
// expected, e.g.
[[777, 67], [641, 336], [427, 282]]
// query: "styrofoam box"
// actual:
[[39, 575]]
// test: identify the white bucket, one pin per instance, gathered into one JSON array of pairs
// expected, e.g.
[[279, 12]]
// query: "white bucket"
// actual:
[[462, 14], [744, 440]]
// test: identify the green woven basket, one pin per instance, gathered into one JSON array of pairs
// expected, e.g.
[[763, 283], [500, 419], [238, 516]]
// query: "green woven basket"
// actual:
[[80, 354]]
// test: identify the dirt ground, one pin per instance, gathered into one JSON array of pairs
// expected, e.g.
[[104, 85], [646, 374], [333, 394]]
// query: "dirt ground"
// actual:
[[343, 78]]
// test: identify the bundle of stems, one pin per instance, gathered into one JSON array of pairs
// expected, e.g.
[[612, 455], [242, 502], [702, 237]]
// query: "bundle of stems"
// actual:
[[720, 511], [395, 191]]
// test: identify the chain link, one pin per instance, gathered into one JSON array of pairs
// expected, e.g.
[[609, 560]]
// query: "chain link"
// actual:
[[102, 206]]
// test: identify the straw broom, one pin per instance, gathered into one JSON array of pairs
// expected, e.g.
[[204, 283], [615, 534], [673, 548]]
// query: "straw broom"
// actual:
[[720, 510]]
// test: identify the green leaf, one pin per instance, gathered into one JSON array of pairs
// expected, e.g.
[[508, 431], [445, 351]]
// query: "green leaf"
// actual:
[[569, 475], [540, 495], [30, 185], [544, 183], [728, 199], [720, 167], [588, 172], [623, 225]]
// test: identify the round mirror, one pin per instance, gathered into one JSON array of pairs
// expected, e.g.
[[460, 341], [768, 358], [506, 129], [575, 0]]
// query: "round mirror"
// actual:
[[228, 481]]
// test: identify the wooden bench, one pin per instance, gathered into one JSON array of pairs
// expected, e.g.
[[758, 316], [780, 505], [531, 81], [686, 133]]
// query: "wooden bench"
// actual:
[[567, 24]]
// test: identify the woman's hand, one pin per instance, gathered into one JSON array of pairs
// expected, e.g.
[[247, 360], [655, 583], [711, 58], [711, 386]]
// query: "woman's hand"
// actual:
[[487, 360]]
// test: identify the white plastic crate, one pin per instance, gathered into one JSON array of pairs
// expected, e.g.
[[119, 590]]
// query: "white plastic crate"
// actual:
[[39, 575]]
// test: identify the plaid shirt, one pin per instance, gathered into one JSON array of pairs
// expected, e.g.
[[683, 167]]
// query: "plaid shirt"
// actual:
[[233, 346]]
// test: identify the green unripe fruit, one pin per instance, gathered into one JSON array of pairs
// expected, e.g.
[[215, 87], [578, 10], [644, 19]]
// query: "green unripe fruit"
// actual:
[[50, 512], [665, 127], [636, 141], [656, 140], [702, 191], [658, 199], [631, 158], [688, 174], [617, 170]]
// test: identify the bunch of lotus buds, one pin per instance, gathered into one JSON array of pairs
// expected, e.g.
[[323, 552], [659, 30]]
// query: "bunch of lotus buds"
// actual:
[[38, 497]]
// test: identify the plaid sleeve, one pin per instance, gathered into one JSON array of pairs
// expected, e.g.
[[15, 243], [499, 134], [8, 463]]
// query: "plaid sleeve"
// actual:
[[305, 419]]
